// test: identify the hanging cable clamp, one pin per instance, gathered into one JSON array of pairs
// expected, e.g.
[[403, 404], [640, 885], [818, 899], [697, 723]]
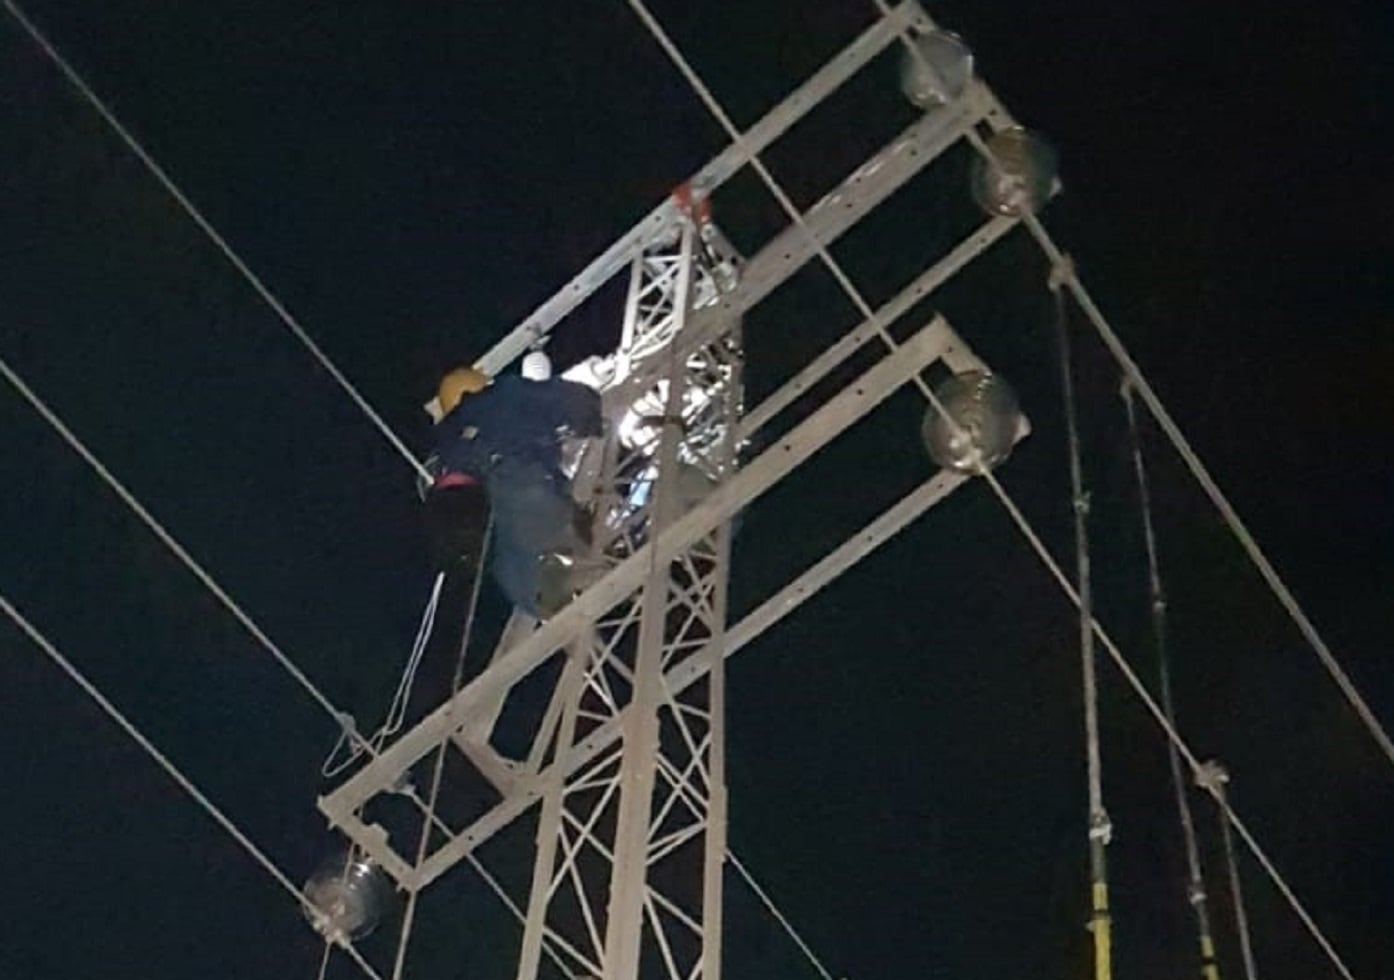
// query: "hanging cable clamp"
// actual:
[[1062, 272], [349, 727], [1211, 776], [1101, 828], [1081, 504], [1196, 896]]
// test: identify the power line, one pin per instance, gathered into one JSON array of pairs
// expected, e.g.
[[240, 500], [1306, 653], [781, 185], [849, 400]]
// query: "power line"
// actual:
[[1169, 728], [1058, 259], [209, 807], [1213, 778], [1212, 490], [1196, 894], [345, 722], [170, 542], [1099, 829], [214, 236], [779, 916], [408, 918]]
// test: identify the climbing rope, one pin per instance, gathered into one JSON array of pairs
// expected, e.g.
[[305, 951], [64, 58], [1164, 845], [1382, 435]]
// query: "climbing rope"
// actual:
[[77, 81], [1100, 829], [1148, 396], [1013, 511], [1195, 891], [397, 708], [173, 771], [396, 713], [409, 916], [349, 732]]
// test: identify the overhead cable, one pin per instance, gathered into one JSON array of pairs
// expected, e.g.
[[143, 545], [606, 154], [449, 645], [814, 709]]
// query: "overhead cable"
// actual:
[[1213, 778], [158, 172], [187, 785], [1212, 490], [1195, 884], [180, 552], [409, 917], [1099, 829], [1013, 510]]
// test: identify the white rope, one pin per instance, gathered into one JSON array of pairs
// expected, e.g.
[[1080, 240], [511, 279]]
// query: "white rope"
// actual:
[[1018, 518], [173, 545], [341, 719], [778, 915], [217, 239], [409, 916], [169, 767], [397, 708], [324, 958]]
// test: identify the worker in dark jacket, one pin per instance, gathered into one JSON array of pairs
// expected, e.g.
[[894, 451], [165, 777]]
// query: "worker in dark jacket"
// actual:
[[457, 505], [505, 437]]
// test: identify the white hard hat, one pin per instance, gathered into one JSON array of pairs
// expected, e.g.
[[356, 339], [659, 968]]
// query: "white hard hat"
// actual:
[[537, 366]]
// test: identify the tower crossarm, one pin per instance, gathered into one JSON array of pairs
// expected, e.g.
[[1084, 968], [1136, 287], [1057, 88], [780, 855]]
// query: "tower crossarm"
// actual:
[[385, 772]]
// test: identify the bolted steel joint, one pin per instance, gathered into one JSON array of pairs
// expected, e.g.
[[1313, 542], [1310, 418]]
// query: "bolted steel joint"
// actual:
[[1081, 504], [1101, 828], [1211, 776]]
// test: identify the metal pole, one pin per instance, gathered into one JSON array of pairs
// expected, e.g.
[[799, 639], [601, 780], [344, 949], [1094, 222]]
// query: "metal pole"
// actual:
[[629, 876], [1214, 777], [1195, 892], [1100, 828]]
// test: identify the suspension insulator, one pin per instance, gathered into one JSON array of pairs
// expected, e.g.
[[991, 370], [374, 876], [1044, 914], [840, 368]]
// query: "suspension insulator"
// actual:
[[986, 417], [346, 899], [937, 71], [1020, 176]]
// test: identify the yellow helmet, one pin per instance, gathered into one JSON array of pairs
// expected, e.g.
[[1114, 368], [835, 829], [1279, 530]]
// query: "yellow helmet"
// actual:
[[459, 383]]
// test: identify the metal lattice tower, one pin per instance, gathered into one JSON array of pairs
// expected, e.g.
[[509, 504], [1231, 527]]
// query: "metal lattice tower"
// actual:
[[625, 765]]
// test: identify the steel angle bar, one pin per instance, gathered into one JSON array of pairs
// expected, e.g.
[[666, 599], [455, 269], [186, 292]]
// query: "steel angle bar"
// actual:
[[841, 208], [920, 287], [784, 602], [842, 411], [716, 172], [384, 772], [770, 612], [807, 96]]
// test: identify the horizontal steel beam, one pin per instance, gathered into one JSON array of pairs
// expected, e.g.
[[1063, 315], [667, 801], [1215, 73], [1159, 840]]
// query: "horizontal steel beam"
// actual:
[[843, 410], [720, 169], [523, 794], [824, 571], [923, 284], [840, 209]]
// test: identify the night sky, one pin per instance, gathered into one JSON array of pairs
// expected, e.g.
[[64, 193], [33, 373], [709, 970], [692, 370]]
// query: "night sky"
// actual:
[[906, 753]]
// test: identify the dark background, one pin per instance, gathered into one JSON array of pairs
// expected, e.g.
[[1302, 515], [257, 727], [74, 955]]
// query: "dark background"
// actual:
[[906, 763]]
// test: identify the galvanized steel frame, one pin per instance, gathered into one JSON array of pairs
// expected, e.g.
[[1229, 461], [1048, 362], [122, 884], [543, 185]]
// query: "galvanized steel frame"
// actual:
[[655, 623]]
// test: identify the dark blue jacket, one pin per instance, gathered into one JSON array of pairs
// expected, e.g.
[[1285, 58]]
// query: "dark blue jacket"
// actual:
[[517, 419]]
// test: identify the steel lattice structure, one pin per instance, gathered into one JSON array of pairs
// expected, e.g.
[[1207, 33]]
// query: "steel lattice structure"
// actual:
[[626, 763]]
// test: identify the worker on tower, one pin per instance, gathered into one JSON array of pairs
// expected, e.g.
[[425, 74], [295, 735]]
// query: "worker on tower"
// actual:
[[498, 446]]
